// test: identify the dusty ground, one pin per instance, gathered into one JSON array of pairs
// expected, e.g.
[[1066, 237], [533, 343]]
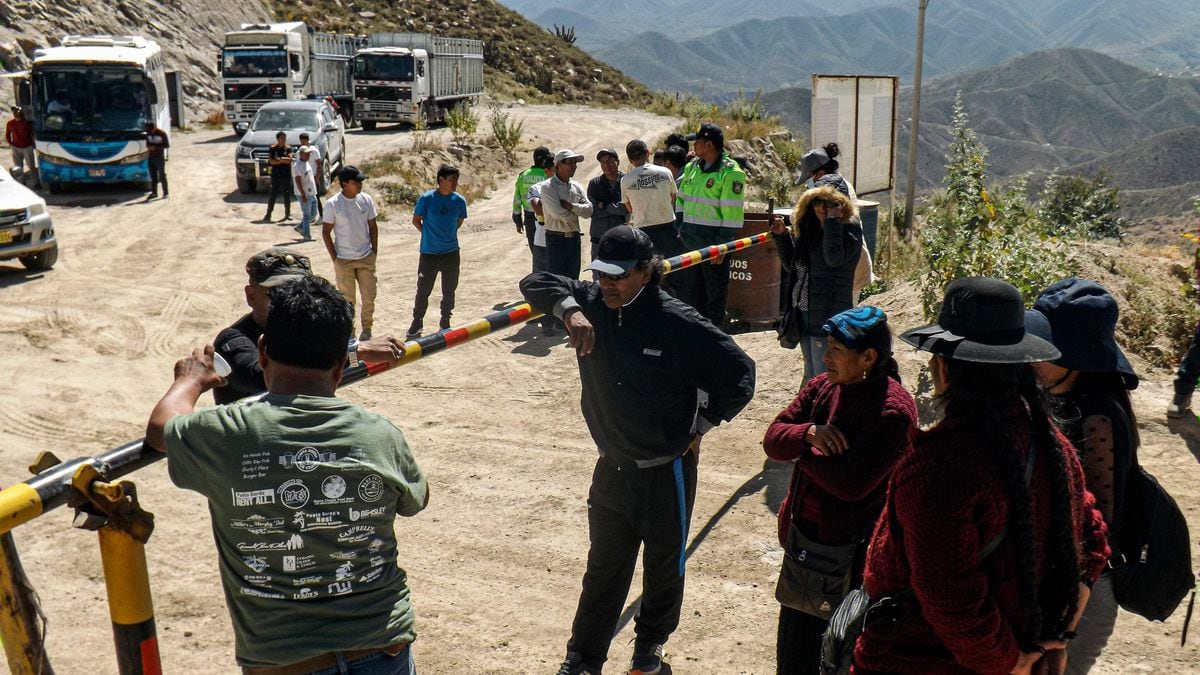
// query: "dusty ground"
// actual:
[[495, 561]]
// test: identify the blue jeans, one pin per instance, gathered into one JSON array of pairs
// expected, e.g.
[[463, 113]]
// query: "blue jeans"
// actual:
[[377, 664], [813, 348], [308, 214]]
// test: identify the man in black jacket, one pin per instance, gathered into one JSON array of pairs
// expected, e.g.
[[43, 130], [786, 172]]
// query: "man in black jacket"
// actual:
[[604, 192], [643, 356]]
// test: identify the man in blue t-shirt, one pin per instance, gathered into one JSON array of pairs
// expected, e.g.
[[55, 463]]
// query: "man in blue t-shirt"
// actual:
[[438, 215]]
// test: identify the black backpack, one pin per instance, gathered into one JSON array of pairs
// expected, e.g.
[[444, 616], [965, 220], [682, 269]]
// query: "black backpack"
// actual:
[[1154, 568]]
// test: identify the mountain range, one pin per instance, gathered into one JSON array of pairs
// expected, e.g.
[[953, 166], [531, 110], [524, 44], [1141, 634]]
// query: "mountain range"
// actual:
[[1078, 111], [715, 48]]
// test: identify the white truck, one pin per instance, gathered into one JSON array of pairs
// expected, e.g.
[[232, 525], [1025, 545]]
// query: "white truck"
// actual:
[[283, 61], [403, 77]]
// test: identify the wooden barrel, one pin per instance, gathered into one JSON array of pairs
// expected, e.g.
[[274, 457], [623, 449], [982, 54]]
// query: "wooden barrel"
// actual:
[[754, 277]]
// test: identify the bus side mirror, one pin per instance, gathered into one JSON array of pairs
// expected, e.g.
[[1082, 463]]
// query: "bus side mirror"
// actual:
[[295, 61], [152, 94]]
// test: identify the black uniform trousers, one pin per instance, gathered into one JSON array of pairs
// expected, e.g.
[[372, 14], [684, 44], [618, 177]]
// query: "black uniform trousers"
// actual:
[[705, 287], [628, 509], [281, 185], [563, 255], [429, 267]]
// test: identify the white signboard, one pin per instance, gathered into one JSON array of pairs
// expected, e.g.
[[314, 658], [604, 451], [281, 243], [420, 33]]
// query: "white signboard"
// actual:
[[859, 114]]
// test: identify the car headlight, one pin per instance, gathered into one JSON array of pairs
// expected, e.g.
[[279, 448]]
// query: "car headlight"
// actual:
[[244, 151], [35, 210]]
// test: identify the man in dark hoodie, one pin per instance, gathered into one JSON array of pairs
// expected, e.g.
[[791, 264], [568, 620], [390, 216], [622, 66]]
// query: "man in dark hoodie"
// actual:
[[643, 356]]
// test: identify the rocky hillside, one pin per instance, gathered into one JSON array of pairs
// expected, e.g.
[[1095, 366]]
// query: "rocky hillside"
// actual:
[[523, 60], [189, 30]]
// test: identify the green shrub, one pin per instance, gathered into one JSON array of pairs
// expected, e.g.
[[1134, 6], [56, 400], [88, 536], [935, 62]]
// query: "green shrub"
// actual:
[[422, 138], [463, 121], [1081, 207], [971, 232], [777, 186], [790, 151], [745, 109], [506, 133], [397, 193]]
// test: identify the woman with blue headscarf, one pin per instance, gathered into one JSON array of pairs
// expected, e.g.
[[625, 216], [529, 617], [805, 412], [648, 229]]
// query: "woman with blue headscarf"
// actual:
[[843, 433]]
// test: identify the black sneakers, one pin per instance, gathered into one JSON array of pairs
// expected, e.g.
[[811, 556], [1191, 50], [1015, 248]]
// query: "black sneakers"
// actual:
[[647, 658], [574, 665]]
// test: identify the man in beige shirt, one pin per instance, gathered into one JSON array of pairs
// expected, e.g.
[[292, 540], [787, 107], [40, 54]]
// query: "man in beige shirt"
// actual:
[[562, 202]]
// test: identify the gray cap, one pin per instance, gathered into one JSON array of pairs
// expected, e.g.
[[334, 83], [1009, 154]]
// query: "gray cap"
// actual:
[[811, 161]]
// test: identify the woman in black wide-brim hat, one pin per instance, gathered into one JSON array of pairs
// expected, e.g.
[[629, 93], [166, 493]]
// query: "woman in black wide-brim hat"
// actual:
[[987, 521], [1090, 384]]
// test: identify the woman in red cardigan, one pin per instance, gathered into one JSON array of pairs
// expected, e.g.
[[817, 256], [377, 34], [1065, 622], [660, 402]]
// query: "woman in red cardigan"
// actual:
[[843, 433], [999, 547]]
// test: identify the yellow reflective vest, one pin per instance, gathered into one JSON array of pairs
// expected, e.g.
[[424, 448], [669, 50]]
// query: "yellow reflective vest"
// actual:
[[525, 180], [713, 198]]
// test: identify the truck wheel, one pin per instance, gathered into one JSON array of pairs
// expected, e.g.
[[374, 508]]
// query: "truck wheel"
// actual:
[[42, 260], [368, 125], [247, 186]]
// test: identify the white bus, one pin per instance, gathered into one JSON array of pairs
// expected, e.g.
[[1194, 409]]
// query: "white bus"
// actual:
[[90, 100]]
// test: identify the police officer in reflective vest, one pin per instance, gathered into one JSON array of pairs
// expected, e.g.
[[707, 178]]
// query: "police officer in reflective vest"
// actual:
[[711, 197], [522, 212]]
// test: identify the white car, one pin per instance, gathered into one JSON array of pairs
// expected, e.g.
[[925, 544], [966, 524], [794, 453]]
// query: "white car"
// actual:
[[326, 130], [26, 232]]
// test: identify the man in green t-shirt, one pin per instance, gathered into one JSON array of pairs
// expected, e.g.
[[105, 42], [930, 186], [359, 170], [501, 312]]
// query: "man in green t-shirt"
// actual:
[[302, 489]]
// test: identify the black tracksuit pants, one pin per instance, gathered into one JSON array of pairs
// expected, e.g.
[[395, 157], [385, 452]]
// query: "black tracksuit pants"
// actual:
[[428, 268], [628, 509]]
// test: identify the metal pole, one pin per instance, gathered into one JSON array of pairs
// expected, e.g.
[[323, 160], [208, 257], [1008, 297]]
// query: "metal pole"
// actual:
[[911, 179], [129, 605], [51, 486]]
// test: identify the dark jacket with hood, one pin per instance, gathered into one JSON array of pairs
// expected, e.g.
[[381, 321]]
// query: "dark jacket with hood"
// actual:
[[640, 382], [827, 254]]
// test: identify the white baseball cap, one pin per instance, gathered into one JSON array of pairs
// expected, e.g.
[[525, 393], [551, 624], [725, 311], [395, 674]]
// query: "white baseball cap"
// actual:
[[565, 154]]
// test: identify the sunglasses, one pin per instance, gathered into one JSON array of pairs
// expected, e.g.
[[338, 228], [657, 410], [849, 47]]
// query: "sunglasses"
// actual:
[[615, 277], [825, 204]]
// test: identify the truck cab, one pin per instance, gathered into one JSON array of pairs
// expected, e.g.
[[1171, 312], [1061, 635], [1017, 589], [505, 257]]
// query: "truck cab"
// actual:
[[390, 84], [261, 63]]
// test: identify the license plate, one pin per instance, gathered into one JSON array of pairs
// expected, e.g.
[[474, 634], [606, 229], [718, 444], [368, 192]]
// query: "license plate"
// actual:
[[6, 236], [96, 173]]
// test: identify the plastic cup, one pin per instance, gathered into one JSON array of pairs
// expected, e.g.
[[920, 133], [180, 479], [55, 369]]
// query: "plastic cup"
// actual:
[[221, 366]]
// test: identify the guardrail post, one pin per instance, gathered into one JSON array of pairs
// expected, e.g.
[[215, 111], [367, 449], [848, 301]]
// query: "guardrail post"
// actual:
[[112, 509]]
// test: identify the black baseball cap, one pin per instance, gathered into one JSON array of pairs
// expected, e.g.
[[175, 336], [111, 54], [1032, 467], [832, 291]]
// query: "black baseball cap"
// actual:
[[607, 151], [277, 265], [709, 132], [351, 172], [620, 249]]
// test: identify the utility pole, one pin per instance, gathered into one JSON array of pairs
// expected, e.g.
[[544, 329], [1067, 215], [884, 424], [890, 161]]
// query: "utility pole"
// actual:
[[910, 195]]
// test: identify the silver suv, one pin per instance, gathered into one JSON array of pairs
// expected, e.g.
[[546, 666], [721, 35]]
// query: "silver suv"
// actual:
[[26, 232], [325, 128]]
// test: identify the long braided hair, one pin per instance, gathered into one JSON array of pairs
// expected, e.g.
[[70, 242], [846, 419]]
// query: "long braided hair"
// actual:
[[985, 395]]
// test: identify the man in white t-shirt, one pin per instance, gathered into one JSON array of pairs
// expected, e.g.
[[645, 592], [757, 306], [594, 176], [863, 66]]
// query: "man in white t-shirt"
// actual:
[[649, 193], [352, 238], [305, 185], [315, 161]]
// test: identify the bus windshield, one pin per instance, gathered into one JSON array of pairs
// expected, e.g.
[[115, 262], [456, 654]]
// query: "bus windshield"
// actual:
[[285, 120], [384, 67], [254, 63], [89, 100]]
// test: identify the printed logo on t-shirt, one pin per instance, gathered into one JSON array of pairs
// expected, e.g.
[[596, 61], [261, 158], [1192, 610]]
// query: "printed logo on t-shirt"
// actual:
[[355, 514], [257, 579], [344, 555], [306, 459], [341, 587], [344, 571], [371, 575], [304, 581], [370, 489], [356, 534], [333, 487], [262, 594], [305, 594], [291, 544], [258, 524], [296, 563], [320, 520], [256, 563], [253, 497], [293, 494]]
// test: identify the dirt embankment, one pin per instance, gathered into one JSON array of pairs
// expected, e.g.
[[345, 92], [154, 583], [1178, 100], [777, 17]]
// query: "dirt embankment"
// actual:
[[496, 561]]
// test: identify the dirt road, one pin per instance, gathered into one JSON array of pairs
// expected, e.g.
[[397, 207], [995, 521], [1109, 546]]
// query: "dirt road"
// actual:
[[495, 562]]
